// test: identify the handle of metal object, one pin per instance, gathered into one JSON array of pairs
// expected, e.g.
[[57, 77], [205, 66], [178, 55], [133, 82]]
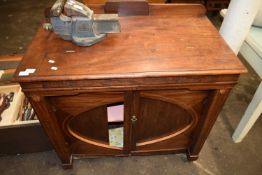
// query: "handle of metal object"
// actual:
[[133, 119]]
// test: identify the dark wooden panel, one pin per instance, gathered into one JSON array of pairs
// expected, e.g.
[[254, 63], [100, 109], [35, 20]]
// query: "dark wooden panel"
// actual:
[[166, 119], [80, 115], [158, 152], [83, 119], [158, 119], [179, 142], [127, 8], [85, 125], [75, 87], [128, 112], [216, 5], [77, 104], [79, 147]]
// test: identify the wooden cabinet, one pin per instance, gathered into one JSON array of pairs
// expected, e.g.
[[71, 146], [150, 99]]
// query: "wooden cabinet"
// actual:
[[155, 120], [171, 71], [167, 118]]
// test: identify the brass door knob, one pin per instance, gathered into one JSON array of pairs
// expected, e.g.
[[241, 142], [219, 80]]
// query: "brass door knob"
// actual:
[[133, 119]]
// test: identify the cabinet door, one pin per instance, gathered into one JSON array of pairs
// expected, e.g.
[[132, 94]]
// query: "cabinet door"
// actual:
[[86, 125], [165, 120]]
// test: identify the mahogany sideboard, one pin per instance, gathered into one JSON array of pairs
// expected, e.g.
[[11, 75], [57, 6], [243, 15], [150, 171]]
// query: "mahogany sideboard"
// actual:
[[171, 70]]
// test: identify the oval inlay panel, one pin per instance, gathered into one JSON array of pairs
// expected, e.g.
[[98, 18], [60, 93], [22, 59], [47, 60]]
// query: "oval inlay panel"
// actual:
[[86, 124], [90, 127], [159, 120]]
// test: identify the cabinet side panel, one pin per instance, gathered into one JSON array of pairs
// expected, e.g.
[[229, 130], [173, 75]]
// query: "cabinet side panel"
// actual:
[[213, 107]]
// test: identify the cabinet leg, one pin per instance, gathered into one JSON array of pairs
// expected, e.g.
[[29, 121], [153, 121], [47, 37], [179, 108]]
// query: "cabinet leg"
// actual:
[[67, 166], [191, 157], [50, 125]]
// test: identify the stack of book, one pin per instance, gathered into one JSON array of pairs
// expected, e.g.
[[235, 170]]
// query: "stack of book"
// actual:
[[26, 112]]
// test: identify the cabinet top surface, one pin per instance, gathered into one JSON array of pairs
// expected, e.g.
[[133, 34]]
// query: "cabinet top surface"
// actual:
[[174, 40]]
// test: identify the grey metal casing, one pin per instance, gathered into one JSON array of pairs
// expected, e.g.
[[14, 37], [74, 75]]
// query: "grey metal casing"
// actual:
[[85, 29]]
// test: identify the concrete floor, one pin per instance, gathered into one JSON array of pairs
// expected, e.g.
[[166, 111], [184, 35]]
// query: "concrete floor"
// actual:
[[220, 155]]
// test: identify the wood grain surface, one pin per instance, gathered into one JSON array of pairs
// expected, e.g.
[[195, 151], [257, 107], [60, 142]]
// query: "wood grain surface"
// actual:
[[171, 44]]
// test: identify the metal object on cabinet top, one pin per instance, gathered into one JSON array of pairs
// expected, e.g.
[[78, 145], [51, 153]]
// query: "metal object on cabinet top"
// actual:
[[73, 21]]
